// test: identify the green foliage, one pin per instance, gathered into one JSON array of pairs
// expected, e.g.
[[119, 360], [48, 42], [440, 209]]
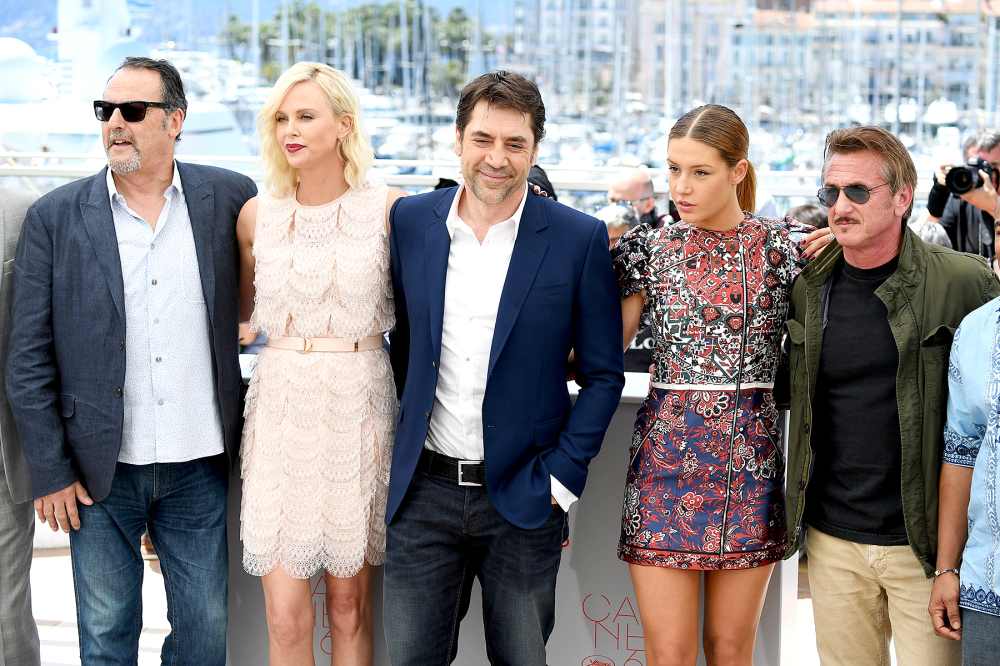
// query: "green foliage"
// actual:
[[364, 41]]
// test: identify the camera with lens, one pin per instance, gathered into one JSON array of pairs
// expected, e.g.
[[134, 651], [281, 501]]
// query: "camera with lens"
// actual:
[[966, 177]]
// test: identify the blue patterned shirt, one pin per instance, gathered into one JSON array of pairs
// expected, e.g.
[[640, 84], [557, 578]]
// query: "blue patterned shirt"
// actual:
[[970, 439]]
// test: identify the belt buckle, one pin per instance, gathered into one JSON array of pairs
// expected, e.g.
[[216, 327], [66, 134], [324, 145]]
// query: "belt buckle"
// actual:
[[307, 346], [462, 482]]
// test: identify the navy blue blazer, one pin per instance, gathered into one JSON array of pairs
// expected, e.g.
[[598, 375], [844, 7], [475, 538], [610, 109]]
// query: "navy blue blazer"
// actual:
[[66, 359], [560, 295]]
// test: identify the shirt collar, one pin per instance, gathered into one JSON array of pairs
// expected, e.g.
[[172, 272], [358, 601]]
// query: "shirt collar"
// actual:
[[113, 189], [454, 220]]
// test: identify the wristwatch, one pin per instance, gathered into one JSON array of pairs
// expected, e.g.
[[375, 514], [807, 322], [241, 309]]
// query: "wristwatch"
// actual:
[[954, 570]]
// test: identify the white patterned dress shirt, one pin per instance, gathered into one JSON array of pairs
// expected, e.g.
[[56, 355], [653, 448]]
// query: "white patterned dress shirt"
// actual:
[[171, 411]]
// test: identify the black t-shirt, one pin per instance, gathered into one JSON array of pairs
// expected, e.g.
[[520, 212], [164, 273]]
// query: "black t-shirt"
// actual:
[[854, 493]]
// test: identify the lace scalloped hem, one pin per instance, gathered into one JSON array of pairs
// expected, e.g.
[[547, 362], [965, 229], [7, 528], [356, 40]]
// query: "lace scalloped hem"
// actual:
[[302, 570]]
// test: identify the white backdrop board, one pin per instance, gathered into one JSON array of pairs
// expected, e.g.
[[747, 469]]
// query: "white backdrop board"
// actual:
[[597, 618]]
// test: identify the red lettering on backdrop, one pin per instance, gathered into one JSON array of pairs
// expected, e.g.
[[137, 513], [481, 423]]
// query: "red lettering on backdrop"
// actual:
[[319, 609], [589, 608], [616, 628], [625, 611]]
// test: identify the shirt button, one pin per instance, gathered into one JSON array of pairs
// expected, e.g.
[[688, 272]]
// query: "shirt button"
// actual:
[[159, 358], [160, 402], [152, 246], [121, 346], [118, 391], [805, 428], [434, 364], [156, 321], [154, 282]]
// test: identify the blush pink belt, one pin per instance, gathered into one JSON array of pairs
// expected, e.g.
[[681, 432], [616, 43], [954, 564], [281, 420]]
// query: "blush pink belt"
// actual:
[[306, 345]]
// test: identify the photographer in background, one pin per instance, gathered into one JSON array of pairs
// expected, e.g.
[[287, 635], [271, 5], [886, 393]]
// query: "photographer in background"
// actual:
[[634, 188], [970, 147], [965, 199]]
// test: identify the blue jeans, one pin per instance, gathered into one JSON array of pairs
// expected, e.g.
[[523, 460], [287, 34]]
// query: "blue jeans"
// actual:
[[183, 506], [442, 538], [980, 638]]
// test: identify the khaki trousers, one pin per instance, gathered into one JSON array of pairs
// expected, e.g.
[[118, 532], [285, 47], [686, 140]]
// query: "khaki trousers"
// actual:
[[863, 596]]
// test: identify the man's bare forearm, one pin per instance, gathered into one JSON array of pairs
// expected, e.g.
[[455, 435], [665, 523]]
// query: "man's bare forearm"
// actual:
[[953, 510]]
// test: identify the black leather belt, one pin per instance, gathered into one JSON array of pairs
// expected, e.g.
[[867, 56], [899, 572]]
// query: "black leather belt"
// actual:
[[462, 472]]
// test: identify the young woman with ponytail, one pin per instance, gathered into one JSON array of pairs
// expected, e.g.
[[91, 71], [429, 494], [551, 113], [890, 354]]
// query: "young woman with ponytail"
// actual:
[[704, 484]]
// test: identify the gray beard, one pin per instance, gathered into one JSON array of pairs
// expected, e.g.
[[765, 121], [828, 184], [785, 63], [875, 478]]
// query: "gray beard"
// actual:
[[131, 164], [489, 196]]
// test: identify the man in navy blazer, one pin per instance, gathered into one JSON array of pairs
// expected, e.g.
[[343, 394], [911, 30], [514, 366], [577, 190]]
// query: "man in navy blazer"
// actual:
[[493, 290], [123, 371]]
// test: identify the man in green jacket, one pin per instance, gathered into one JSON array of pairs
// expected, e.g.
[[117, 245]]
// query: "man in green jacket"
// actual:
[[870, 327]]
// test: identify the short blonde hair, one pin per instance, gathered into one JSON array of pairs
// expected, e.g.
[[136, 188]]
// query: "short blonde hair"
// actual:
[[355, 149], [897, 165]]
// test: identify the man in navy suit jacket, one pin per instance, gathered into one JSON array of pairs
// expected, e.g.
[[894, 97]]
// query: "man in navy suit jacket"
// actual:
[[494, 288], [123, 371]]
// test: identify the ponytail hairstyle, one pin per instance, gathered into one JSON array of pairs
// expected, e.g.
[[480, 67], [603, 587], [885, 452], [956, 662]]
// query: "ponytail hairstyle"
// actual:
[[719, 127]]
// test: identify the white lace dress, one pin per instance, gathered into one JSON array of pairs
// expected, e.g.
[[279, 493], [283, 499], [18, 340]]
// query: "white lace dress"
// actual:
[[319, 426]]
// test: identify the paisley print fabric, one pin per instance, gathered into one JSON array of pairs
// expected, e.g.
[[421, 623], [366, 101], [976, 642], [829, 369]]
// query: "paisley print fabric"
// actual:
[[705, 477]]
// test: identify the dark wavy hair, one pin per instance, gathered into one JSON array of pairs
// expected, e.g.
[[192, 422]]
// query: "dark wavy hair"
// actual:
[[504, 90]]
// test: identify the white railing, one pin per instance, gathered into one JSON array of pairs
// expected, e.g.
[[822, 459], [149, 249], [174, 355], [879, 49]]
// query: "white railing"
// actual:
[[782, 185]]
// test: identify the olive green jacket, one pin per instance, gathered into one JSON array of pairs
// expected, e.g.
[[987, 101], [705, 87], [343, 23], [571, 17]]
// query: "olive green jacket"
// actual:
[[932, 289]]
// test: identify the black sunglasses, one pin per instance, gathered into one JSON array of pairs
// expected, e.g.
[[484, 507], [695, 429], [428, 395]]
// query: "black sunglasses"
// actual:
[[132, 112], [859, 194]]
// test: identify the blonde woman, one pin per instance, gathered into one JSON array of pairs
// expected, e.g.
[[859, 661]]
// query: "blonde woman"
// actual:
[[321, 406]]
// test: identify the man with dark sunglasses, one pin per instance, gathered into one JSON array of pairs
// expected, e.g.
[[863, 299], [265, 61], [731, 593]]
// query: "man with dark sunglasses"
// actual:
[[123, 372], [870, 326]]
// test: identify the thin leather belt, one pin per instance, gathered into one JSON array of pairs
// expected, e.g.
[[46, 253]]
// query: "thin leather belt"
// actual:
[[306, 345], [462, 472]]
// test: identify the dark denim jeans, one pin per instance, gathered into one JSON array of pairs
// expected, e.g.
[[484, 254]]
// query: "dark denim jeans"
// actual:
[[980, 638], [183, 505], [445, 536]]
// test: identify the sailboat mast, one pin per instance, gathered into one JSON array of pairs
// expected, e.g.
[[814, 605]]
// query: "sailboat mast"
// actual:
[[404, 52], [898, 68], [283, 42], [255, 38]]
